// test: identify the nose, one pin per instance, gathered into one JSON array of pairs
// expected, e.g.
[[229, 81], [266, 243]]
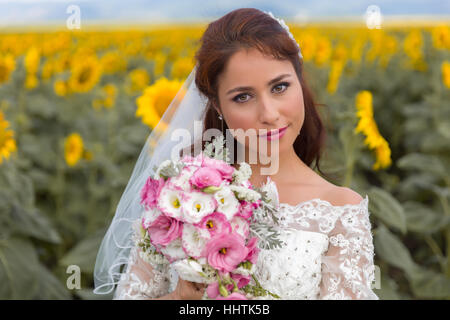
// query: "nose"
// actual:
[[268, 111]]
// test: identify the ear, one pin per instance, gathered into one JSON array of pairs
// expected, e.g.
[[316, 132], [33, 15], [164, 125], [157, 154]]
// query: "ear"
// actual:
[[216, 106]]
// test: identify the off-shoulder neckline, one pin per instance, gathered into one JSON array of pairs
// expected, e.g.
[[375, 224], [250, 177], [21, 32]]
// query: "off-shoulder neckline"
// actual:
[[327, 203], [320, 201]]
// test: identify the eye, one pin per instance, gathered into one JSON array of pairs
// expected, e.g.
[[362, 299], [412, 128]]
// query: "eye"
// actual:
[[238, 98], [287, 84]]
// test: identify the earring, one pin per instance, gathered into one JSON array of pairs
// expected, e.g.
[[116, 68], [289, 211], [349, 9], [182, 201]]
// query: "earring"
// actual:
[[221, 118]]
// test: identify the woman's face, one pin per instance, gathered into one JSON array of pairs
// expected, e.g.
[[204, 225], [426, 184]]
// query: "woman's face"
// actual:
[[260, 92]]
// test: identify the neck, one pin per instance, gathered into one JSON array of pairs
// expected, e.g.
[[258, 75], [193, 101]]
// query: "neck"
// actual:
[[288, 162]]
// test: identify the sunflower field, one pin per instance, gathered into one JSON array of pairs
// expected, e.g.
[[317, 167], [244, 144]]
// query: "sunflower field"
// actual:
[[76, 108]]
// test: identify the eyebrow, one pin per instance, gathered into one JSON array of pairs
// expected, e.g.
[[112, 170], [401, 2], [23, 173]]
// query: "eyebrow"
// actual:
[[268, 84]]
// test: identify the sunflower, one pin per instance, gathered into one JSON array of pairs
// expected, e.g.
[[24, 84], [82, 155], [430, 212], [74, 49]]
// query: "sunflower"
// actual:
[[113, 62], [441, 37], [137, 80], [369, 128], [7, 66], [155, 99], [181, 68], [323, 51], [85, 73], [32, 60], [7, 142], [108, 97], [73, 149], [61, 87]]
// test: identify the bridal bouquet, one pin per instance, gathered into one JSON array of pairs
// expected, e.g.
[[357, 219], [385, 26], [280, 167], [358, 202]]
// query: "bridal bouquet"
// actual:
[[199, 215]]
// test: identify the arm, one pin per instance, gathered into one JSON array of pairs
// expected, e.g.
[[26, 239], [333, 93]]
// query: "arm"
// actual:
[[348, 269], [142, 280]]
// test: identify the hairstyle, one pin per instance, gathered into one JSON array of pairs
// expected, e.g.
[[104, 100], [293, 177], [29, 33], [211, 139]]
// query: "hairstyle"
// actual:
[[247, 28]]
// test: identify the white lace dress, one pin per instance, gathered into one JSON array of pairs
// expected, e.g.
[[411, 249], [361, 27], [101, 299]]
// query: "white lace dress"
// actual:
[[328, 255]]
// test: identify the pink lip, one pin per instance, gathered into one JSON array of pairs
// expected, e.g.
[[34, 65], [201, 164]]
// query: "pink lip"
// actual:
[[275, 134]]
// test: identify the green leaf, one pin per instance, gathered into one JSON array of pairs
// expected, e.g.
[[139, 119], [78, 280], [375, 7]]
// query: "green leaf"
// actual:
[[422, 162], [392, 250], [18, 269], [387, 208], [430, 284], [422, 219], [34, 224], [50, 287], [84, 253]]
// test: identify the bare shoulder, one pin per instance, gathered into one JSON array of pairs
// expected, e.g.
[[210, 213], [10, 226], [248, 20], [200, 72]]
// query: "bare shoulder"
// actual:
[[340, 196]]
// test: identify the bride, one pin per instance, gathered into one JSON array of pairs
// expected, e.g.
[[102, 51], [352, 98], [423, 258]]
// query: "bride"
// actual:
[[250, 70]]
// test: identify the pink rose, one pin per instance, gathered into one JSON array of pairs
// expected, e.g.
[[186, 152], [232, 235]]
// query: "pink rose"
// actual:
[[225, 251], [240, 279], [213, 290], [240, 226], [164, 230], [224, 168], [233, 296], [257, 203], [253, 250], [205, 177], [245, 210], [215, 223], [150, 192]]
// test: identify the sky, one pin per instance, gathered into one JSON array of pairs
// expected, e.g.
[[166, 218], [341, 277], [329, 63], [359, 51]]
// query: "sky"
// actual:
[[34, 12]]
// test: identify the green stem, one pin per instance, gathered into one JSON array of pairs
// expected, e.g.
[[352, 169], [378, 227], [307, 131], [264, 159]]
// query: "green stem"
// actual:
[[92, 181], [436, 250], [59, 196], [349, 172], [266, 291]]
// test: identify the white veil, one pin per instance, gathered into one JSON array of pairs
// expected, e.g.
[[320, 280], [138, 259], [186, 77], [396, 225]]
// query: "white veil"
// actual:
[[187, 109]]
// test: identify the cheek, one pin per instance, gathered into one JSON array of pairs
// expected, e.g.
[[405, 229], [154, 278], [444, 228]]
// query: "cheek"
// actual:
[[295, 109], [241, 118]]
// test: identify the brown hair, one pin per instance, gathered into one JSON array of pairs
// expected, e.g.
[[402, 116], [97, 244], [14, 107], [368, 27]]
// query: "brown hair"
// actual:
[[247, 28]]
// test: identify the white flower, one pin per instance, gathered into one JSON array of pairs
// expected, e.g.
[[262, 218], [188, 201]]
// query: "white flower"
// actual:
[[189, 270], [182, 180], [149, 216], [197, 205], [244, 173], [194, 239], [245, 193], [272, 193], [174, 250], [240, 226], [245, 271], [169, 201], [162, 166], [227, 202]]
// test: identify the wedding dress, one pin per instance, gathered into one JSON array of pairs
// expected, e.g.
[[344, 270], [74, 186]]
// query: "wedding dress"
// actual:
[[328, 255]]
